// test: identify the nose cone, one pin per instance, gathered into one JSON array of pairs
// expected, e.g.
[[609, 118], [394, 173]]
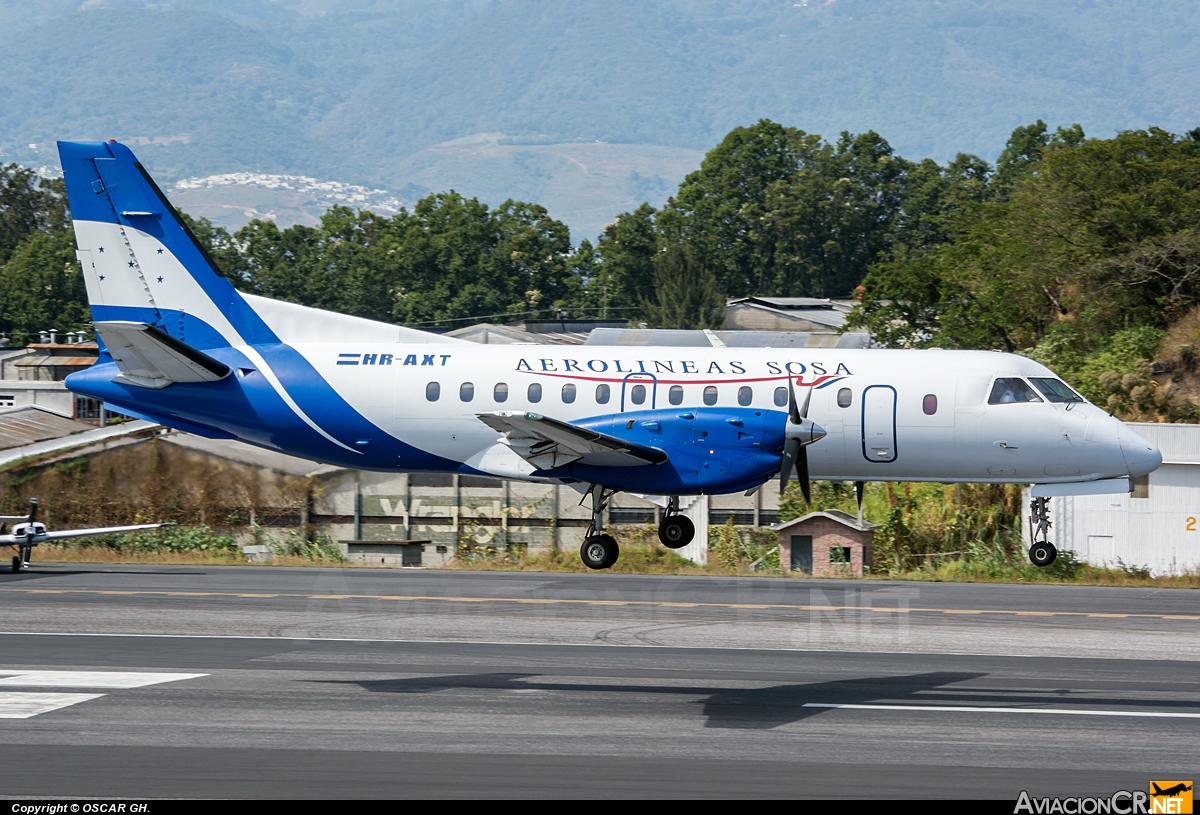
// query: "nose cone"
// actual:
[[1141, 457]]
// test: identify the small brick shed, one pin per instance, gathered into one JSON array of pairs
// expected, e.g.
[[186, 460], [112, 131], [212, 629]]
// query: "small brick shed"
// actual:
[[811, 544]]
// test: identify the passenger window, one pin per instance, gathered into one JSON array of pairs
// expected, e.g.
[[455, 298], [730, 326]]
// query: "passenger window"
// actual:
[[675, 395], [780, 397], [710, 395], [745, 395], [637, 394], [466, 391], [568, 393], [603, 393], [929, 404], [845, 397], [500, 392], [535, 392], [1008, 390], [433, 391]]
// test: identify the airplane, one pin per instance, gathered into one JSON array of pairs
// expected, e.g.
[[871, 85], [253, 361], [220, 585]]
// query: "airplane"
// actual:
[[182, 347], [28, 532], [1170, 792]]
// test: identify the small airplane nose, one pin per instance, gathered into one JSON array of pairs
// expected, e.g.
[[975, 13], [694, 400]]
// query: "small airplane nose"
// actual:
[[1141, 457]]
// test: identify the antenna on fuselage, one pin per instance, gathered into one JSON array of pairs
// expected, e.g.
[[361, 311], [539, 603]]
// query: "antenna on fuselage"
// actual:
[[859, 488]]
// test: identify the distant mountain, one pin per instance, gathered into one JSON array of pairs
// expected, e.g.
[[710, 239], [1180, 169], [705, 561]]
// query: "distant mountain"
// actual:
[[382, 92]]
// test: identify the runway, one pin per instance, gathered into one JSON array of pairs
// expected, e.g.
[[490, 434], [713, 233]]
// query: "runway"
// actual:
[[271, 682]]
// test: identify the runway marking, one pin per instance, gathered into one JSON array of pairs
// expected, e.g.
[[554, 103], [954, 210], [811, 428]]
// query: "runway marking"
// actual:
[[1146, 714], [90, 679], [412, 598], [26, 705]]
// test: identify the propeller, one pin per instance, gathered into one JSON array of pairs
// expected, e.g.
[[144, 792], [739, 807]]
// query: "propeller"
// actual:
[[33, 508], [798, 434]]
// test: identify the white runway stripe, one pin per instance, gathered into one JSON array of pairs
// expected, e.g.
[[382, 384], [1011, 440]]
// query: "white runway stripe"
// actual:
[[16, 705], [89, 679], [1148, 714]]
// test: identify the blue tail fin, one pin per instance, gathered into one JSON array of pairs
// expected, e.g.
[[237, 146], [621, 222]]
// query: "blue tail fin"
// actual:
[[140, 261]]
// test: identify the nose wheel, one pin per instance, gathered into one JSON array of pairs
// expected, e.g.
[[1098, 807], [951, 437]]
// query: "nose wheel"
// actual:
[[1042, 553]]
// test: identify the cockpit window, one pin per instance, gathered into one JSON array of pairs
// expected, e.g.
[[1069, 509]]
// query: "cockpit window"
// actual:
[[1012, 389], [1055, 390]]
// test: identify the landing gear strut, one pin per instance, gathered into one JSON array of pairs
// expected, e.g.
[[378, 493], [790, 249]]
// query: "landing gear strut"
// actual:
[[676, 531], [1042, 553], [599, 551]]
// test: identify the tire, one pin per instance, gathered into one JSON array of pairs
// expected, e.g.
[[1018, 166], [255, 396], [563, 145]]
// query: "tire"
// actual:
[[676, 531], [599, 552], [17, 564], [1042, 554]]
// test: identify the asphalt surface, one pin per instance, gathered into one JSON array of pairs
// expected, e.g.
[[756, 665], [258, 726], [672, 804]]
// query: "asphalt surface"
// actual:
[[270, 682]]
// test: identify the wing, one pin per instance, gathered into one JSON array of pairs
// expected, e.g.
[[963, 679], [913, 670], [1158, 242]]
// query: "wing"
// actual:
[[152, 358], [85, 533], [548, 443]]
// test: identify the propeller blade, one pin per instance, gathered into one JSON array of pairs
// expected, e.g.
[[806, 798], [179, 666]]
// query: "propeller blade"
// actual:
[[792, 449], [33, 507], [793, 411], [807, 399], [802, 473]]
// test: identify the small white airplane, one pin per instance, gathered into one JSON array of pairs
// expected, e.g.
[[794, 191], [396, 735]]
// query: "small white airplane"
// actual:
[[182, 347], [28, 532]]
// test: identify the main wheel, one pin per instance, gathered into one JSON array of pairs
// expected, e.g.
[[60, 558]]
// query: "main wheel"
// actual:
[[676, 531], [599, 551], [17, 564], [1042, 554]]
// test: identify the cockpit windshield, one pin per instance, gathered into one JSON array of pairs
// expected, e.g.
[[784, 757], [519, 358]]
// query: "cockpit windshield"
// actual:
[[1055, 390], [1011, 389]]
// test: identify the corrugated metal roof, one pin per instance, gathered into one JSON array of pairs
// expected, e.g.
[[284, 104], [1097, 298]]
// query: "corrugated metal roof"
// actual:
[[53, 361], [28, 425], [678, 338]]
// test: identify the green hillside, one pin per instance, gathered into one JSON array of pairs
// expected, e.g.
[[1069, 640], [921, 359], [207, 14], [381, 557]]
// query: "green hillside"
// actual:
[[366, 91]]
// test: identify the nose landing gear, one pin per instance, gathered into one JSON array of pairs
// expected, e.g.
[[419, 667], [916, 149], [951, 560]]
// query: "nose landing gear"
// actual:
[[1042, 553], [676, 531]]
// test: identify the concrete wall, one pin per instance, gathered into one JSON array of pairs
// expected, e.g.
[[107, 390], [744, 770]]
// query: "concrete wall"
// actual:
[[50, 395]]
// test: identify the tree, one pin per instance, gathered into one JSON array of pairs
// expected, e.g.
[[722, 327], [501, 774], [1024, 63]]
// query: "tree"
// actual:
[[28, 204], [685, 292], [625, 275], [721, 210], [41, 287]]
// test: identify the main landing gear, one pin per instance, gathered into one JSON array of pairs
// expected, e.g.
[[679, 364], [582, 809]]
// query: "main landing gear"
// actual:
[[676, 531], [599, 551], [1042, 553]]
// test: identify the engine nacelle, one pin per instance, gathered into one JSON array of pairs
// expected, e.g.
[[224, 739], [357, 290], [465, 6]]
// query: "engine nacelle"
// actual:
[[711, 450]]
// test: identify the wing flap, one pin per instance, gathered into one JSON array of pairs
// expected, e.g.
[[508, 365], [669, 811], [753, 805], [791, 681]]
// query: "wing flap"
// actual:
[[151, 358], [548, 443]]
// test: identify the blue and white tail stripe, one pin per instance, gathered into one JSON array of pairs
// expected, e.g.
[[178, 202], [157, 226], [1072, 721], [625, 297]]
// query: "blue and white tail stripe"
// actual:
[[142, 264]]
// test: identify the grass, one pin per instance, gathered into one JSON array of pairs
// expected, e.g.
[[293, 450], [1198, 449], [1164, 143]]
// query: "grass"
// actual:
[[730, 555]]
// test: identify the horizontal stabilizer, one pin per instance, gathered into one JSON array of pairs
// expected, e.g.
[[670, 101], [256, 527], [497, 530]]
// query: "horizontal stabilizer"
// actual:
[[150, 358], [548, 443]]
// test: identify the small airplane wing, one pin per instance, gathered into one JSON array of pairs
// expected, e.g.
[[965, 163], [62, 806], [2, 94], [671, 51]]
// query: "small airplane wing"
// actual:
[[548, 443], [11, 540], [151, 358]]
